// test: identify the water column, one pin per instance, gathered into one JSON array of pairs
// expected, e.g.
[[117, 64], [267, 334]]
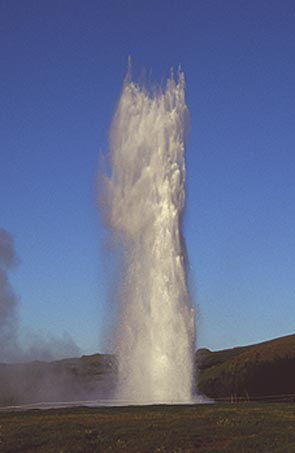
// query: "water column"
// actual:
[[144, 197]]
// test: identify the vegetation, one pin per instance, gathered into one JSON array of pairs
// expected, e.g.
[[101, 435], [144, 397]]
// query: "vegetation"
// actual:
[[248, 372], [255, 371], [244, 427]]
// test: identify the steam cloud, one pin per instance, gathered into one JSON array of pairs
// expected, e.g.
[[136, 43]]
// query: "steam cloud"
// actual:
[[39, 347], [8, 300], [26, 381]]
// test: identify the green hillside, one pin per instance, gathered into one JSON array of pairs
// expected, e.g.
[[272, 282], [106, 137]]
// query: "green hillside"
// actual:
[[263, 369]]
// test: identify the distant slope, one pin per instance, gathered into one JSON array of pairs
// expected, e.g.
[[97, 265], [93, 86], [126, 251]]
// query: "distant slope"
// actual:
[[251, 371], [85, 378], [266, 368]]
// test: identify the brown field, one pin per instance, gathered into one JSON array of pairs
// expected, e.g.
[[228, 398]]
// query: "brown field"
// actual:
[[244, 427]]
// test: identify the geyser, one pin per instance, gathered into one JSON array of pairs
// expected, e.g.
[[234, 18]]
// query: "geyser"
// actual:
[[144, 198]]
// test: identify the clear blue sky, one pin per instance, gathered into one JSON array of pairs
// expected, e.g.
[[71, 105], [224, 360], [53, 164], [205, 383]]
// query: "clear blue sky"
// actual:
[[62, 66]]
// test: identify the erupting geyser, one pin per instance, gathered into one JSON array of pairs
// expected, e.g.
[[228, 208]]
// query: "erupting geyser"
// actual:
[[144, 200]]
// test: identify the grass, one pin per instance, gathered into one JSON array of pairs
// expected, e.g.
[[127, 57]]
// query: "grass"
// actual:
[[247, 427]]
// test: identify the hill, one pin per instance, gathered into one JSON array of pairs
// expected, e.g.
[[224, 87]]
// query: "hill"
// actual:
[[77, 379], [258, 370]]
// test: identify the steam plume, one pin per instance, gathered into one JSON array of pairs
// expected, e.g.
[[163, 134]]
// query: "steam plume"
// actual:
[[8, 300], [39, 346], [29, 382]]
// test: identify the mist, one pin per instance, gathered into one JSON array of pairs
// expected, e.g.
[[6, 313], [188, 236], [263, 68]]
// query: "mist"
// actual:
[[29, 380]]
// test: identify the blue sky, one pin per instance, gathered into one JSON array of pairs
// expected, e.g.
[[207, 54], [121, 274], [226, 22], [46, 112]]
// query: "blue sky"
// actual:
[[62, 67]]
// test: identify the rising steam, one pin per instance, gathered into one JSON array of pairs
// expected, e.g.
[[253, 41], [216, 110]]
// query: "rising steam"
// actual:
[[8, 300], [144, 199], [26, 381], [38, 346]]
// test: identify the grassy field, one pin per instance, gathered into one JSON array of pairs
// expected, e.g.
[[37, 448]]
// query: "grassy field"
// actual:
[[245, 427]]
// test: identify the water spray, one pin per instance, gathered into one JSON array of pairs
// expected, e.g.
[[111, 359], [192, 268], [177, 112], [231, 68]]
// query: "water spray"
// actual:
[[144, 198]]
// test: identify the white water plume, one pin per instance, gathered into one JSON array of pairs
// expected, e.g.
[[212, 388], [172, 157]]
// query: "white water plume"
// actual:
[[144, 199]]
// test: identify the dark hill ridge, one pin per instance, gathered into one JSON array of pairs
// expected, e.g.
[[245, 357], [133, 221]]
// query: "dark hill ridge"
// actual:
[[262, 369], [258, 370], [78, 379]]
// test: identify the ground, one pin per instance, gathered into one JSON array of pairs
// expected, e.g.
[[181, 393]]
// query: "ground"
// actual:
[[244, 427]]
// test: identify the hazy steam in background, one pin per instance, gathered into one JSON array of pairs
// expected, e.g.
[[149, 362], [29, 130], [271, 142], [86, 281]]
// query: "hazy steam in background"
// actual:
[[26, 381], [8, 300], [143, 201], [37, 347]]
